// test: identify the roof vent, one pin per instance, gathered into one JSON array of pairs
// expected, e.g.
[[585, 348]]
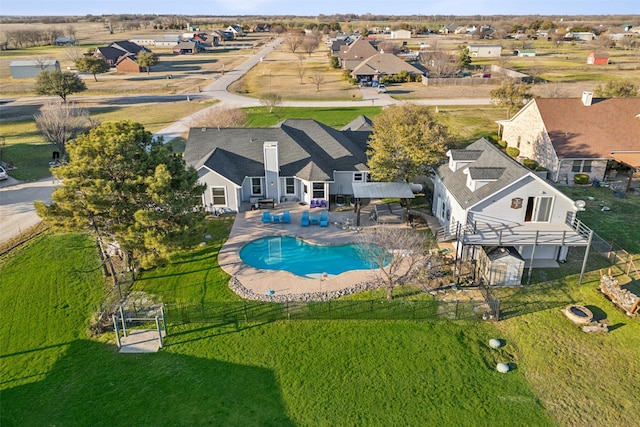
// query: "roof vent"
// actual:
[[587, 98]]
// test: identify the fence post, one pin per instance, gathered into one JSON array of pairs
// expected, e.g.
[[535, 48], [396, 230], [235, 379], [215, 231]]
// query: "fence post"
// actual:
[[124, 326], [164, 320], [159, 331], [117, 331]]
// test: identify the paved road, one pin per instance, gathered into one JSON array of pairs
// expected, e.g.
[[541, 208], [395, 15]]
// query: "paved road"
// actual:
[[16, 199]]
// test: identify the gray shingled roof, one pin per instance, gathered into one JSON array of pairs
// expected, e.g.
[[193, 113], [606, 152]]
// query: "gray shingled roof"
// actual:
[[485, 173], [386, 63], [462, 155], [306, 149], [492, 159]]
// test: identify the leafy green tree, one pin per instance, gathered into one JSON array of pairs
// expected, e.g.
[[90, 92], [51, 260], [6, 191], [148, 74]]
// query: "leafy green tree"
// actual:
[[58, 83], [147, 60], [511, 95], [92, 64], [464, 59], [617, 89], [127, 187]]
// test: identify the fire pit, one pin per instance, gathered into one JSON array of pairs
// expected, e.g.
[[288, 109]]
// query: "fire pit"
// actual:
[[578, 314]]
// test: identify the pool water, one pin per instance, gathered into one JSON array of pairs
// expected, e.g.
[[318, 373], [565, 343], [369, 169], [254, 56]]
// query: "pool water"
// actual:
[[302, 258]]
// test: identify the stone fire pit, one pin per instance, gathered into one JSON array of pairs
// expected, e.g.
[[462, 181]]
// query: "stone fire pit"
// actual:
[[578, 314]]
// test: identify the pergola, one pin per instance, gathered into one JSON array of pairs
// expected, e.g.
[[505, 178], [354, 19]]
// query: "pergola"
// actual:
[[629, 158], [379, 190]]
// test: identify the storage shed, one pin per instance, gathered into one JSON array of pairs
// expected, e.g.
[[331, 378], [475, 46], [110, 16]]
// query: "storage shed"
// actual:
[[31, 69], [500, 266]]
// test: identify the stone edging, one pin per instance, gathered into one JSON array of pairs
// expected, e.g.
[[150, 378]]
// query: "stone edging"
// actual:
[[243, 292]]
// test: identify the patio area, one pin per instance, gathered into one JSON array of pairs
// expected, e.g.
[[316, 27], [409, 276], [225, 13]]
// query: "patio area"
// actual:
[[248, 226]]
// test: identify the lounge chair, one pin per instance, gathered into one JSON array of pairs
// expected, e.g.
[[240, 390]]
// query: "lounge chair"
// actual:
[[266, 217], [324, 219], [304, 221], [313, 203], [286, 217], [315, 219]]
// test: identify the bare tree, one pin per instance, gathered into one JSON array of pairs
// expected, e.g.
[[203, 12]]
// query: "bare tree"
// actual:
[[310, 44], [397, 252], [61, 122], [219, 117], [301, 72], [271, 100], [73, 53], [317, 80], [439, 63], [554, 90], [293, 40]]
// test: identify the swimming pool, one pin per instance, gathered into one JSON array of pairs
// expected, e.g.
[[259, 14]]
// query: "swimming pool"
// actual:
[[302, 258]]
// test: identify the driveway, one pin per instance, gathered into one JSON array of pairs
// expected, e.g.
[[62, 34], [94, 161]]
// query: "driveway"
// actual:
[[17, 212]]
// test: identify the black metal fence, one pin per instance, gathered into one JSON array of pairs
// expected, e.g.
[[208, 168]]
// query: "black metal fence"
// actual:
[[261, 312]]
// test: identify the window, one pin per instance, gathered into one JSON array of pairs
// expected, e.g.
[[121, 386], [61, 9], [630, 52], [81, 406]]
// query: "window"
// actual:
[[290, 187], [318, 190], [256, 186], [580, 166], [358, 177], [219, 196]]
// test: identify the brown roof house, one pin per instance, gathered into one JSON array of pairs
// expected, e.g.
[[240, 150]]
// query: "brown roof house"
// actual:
[[353, 54], [576, 135], [383, 64]]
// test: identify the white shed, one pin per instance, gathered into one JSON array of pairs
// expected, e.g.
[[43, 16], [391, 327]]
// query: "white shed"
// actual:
[[31, 69], [500, 266], [401, 34]]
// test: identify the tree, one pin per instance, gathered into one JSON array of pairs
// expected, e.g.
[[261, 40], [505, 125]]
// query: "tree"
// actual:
[[398, 254], [219, 117], [617, 89], [61, 122], [317, 79], [511, 95], [92, 64], [464, 59], [147, 60], [125, 186], [58, 83], [292, 40], [271, 100], [406, 141]]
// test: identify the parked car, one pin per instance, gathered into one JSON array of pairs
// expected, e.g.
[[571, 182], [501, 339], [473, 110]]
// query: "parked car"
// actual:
[[382, 89], [3, 174]]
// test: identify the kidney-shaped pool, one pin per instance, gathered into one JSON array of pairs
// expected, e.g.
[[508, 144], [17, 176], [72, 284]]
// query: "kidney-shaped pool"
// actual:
[[305, 259]]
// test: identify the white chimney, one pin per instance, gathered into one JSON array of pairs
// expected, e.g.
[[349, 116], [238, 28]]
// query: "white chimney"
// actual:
[[587, 98], [271, 170]]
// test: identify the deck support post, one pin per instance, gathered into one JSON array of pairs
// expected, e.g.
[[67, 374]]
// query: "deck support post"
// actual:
[[533, 252], [586, 255]]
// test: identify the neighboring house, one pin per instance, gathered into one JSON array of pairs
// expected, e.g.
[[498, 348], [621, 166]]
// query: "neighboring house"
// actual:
[[236, 30], [451, 29], [298, 160], [188, 48], [225, 36], [383, 64], [582, 36], [485, 50], [522, 53], [483, 199], [115, 51], [598, 58], [353, 54], [401, 34], [31, 69], [168, 40], [128, 64], [262, 28], [572, 135]]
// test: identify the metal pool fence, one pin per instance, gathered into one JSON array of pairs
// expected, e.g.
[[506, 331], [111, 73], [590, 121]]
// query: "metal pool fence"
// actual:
[[261, 312]]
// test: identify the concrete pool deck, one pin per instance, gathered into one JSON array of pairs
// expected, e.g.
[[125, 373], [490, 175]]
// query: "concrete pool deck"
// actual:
[[248, 226]]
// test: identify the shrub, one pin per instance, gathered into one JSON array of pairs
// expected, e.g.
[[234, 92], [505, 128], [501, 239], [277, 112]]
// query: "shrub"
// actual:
[[502, 144], [530, 163], [541, 169], [581, 178], [513, 152]]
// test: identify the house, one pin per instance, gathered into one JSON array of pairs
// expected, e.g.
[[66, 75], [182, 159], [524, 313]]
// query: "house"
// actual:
[[168, 40], [262, 28], [598, 58], [522, 53], [383, 64], [353, 54], [236, 30], [31, 69], [128, 64], [401, 34], [116, 50], [482, 199], [451, 29], [485, 50], [298, 160], [576, 135], [65, 41], [583, 36], [188, 48]]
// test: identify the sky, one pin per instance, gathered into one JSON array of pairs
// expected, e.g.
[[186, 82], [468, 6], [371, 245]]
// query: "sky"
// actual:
[[317, 7]]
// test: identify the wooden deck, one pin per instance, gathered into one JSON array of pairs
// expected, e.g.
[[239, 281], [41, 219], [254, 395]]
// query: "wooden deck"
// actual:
[[525, 234]]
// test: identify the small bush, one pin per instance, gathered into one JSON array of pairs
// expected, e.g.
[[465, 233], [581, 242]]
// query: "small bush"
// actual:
[[502, 144], [513, 152], [530, 164], [581, 178]]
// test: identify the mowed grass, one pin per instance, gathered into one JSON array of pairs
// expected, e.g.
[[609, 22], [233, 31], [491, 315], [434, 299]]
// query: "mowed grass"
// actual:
[[279, 374]]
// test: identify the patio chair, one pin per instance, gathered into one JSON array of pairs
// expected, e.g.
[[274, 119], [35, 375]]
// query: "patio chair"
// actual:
[[323, 203], [286, 217], [324, 219], [313, 203], [304, 221], [266, 217]]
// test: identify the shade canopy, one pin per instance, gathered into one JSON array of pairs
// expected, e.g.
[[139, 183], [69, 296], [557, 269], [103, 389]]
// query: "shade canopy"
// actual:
[[382, 190]]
